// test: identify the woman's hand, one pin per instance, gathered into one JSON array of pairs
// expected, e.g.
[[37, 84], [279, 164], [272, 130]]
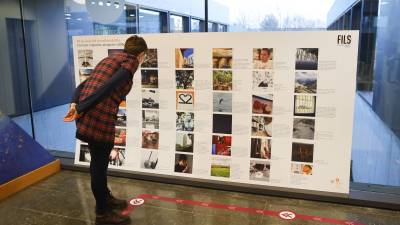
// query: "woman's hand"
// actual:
[[72, 114]]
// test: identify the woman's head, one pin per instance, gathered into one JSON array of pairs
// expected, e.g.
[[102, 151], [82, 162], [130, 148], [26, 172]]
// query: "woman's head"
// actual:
[[137, 46]]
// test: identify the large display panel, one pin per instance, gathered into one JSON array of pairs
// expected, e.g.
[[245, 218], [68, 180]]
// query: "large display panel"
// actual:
[[273, 108]]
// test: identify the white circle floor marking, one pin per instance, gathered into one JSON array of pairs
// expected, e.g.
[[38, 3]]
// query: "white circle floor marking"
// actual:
[[137, 201], [287, 215]]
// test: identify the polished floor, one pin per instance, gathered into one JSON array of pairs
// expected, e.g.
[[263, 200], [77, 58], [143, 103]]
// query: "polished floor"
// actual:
[[65, 198]]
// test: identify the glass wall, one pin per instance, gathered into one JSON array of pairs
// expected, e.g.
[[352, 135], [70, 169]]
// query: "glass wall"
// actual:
[[213, 27], [179, 24], [14, 86], [387, 69], [362, 16], [197, 25], [376, 130], [151, 21]]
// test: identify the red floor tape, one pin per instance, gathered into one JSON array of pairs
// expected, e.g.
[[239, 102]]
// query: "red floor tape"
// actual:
[[285, 215]]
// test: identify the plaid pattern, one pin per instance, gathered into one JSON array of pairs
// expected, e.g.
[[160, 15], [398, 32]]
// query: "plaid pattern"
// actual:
[[98, 123]]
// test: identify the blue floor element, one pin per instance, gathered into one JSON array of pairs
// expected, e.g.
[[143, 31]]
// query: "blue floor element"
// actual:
[[19, 153]]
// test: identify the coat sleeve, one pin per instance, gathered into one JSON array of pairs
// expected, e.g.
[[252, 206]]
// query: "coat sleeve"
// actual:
[[120, 76], [75, 98]]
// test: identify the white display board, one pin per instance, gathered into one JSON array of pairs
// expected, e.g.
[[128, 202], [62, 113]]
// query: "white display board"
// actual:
[[271, 108]]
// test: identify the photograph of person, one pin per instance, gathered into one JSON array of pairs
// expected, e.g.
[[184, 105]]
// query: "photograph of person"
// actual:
[[221, 145], [262, 58], [150, 99], [150, 119], [85, 58], [220, 167], [307, 169], [184, 79], [222, 102], [263, 81], [84, 154], [184, 121], [262, 104], [183, 163], [260, 170], [222, 58], [307, 59], [260, 148], [117, 157], [184, 142], [303, 128], [222, 80], [121, 118], [120, 137], [150, 139], [184, 57], [222, 123], [150, 61], [149, 160], [149, 78], [261, 126], [306, 82], [302, 152], [304, 169], [184, 100], [304, 105], [84, 74]]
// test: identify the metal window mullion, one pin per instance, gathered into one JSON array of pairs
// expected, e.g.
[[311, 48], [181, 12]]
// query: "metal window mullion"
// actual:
[[26, 69]]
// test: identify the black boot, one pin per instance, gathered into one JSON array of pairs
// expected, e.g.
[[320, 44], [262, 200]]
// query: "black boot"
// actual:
[[109, 217], [115, 203]]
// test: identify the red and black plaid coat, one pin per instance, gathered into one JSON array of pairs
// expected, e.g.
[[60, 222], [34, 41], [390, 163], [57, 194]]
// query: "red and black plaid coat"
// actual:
[[98, 123]]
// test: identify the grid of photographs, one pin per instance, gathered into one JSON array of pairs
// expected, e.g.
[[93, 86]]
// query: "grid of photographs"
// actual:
[[150, 110], [261, 109], [222, 111], [185, 98], [305, 101]]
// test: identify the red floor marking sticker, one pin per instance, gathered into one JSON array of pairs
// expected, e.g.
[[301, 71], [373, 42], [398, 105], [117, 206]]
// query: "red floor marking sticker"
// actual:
[[285, 215]]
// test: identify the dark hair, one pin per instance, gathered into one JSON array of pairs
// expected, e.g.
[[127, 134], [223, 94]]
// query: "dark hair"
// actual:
[[182, 157], [266, 49], [135, 45]]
